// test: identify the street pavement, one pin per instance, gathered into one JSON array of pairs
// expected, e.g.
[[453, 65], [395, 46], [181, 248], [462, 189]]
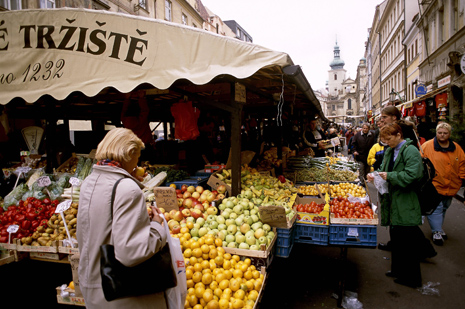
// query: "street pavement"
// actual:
[[309, 278]]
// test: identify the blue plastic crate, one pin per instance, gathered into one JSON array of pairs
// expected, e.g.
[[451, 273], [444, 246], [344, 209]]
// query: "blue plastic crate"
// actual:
[[353, 235], [283, 252], [285, 237], [312, 234], [192, 181]]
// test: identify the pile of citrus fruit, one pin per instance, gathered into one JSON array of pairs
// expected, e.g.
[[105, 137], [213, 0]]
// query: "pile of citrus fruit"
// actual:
[[216, 279]]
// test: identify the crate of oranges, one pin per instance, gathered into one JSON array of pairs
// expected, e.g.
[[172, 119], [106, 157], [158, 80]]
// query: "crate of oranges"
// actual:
[[217, 279]]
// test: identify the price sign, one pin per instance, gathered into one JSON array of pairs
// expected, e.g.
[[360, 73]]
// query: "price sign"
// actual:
[[353, 232], [74, 181], [44, 181], [275, 216], [12, 229], [63, 206], [166, 198], [23, 170]]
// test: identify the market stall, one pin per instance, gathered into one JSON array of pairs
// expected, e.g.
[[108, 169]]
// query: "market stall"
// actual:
[[75, 64]]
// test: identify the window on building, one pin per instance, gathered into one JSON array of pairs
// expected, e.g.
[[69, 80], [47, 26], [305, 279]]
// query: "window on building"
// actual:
[[155, 9], [416, 47], [168, 10], [11, 4], [349, 104], [335, 76], [441, 27], [47, 4], [455, 15], [184, 19], [217, 28], [194, 25], [334, 107]]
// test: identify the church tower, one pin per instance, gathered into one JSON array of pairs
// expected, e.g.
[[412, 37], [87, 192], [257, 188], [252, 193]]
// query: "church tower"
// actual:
[[337, 74]]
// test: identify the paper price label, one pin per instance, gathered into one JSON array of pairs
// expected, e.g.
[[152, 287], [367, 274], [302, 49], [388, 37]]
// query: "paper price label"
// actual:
[[12, 229], [23, 169], [353, 232], [44, 181], [63, 206], [74, 181]]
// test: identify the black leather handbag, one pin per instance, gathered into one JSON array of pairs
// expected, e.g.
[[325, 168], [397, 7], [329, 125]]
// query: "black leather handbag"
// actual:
[[151, 276]]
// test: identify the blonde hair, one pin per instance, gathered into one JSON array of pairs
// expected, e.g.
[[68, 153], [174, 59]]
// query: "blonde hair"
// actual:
[[444, 125], [119, 144]]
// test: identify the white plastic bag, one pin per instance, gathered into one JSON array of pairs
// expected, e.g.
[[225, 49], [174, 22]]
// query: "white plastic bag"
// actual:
[[380, 184], [176, 296]]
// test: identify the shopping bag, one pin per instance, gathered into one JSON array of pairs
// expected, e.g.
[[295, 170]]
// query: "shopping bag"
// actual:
[[381, 185], [176, 296]]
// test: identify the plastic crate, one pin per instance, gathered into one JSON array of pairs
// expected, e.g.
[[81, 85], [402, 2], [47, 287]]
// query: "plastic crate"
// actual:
[[192, 181], [283, 252], [312, 234], [285, 237], [353, 235]]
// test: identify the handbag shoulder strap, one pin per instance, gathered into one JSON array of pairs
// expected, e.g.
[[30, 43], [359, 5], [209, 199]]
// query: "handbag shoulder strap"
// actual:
[[113, 196]]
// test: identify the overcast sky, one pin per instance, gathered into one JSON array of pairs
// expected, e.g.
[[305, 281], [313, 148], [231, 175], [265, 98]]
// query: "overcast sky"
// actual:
[[305, 29]]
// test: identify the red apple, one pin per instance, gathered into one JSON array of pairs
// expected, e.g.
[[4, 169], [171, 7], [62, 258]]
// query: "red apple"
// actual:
[[184, 188], [162, 210], [167, 216], [186, 213], [178, 216], [180, 201], [199, 189], [176, 229], [186, 194], [221, 189], [220, 196], [179, 195], [178, 191], [200, 207], [172, 223], [215, 192], [196, 195], [196, 213], [210, 197], [172, 213], [206, 204], [203, 197], [187, 202]]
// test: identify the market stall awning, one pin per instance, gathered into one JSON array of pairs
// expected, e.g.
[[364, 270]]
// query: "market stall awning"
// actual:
[[60, 51]]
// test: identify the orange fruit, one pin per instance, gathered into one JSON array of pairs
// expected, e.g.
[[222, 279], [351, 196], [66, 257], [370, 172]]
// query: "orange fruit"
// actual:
[[236, 257], [192, 299], [248, 261], [199, 292], [238, 303], [190, 225], [213, 253], [213, 285], [227, 256], [208, 295], [219, 260], [213, 304], [197, 252], [256, 274], [240, 294], [237, 273], [223, 303], [198, 267], [248, 275], [224, 284], [218, 242], [187, 253], [209, 240], [198, 306], [189, 273], [220, 277], [243, 267], [217, 292], [197, 276], [192, 260], [205, 264], [195, 244], [190, 283], [205, 256], [226, 264], [207, 279], [228, 274], [205, 248]]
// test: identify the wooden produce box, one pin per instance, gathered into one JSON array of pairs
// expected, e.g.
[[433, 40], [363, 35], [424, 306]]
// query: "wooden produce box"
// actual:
[[276, 217], [6, 257], [65, 297], [264, 251], [46, 249], [66, 166], [373, 221], [67, 250], [6, 246], [46, 256]]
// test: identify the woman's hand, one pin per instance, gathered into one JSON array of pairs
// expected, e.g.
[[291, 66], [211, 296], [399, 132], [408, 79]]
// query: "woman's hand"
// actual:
[[383, 175], [156, 215], [370, 177]]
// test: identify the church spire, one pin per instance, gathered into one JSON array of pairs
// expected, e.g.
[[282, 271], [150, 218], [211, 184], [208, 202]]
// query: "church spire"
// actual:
[[337, 62]]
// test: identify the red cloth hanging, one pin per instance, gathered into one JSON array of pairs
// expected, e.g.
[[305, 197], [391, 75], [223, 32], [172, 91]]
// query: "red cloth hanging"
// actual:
[[420, 109], [185, 120]]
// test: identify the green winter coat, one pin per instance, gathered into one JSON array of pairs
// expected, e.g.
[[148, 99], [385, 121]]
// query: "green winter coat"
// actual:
[[400, 206]]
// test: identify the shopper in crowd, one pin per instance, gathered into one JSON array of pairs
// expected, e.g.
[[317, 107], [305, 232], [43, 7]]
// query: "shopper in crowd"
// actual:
[[135, 116], [362, 143], [400, 210], [425, 129], [448, 159], [314, 137], [375, 156], [135, 235], [391, 114]]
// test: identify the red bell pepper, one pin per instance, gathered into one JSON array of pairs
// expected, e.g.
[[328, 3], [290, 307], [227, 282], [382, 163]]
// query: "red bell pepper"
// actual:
[[282, 179], [26, 224], [34, 225], [4, 239], [20, 217], [31, 215]]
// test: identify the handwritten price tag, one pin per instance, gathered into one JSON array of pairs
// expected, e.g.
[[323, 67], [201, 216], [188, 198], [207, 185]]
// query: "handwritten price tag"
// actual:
[[23, 170], [165, 197], [63, 206], [12, 229], [273, 215], [44, 181], [74, 181]]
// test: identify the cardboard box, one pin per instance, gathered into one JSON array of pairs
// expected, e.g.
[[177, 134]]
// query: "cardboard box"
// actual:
[[214, 182], [46, 256], [275, 216], [69, 297], [307, 218]]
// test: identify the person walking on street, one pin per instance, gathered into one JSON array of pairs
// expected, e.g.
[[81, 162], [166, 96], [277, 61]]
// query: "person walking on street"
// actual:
[[400, 209], [362, 143], [448, 159]]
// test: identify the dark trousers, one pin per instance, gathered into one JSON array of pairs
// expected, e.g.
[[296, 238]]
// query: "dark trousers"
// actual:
[[406, 244], [364, 168]]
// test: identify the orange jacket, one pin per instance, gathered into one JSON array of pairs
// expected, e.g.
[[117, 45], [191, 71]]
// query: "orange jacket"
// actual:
[[450, 167]]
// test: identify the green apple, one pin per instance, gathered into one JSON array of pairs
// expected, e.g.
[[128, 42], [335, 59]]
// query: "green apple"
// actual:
[[266, 228], [213, 225], [256, 225], [229, 238], [263, 240], [203, 231], [240, 238], [246, 212], [221, 235], [194, 232], [245, 227], [238, 209], [230, 222], [248, 194], [232, 245], [270, 234], [250, 239], [244, 245], [196, 225], [232, 229], [250, 233], [222, 227], [233, 215], [254, 247], [222, 207], [254, 218], [200, 221], [248, 220], [190, 219], [259, 233], [220, 219], [239, 221]]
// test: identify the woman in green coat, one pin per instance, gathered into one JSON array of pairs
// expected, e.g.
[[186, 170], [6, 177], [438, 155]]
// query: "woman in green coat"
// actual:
[[402, 168]]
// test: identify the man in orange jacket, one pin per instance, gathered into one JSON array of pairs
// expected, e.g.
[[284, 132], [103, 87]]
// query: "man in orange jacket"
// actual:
[[448, 159]]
